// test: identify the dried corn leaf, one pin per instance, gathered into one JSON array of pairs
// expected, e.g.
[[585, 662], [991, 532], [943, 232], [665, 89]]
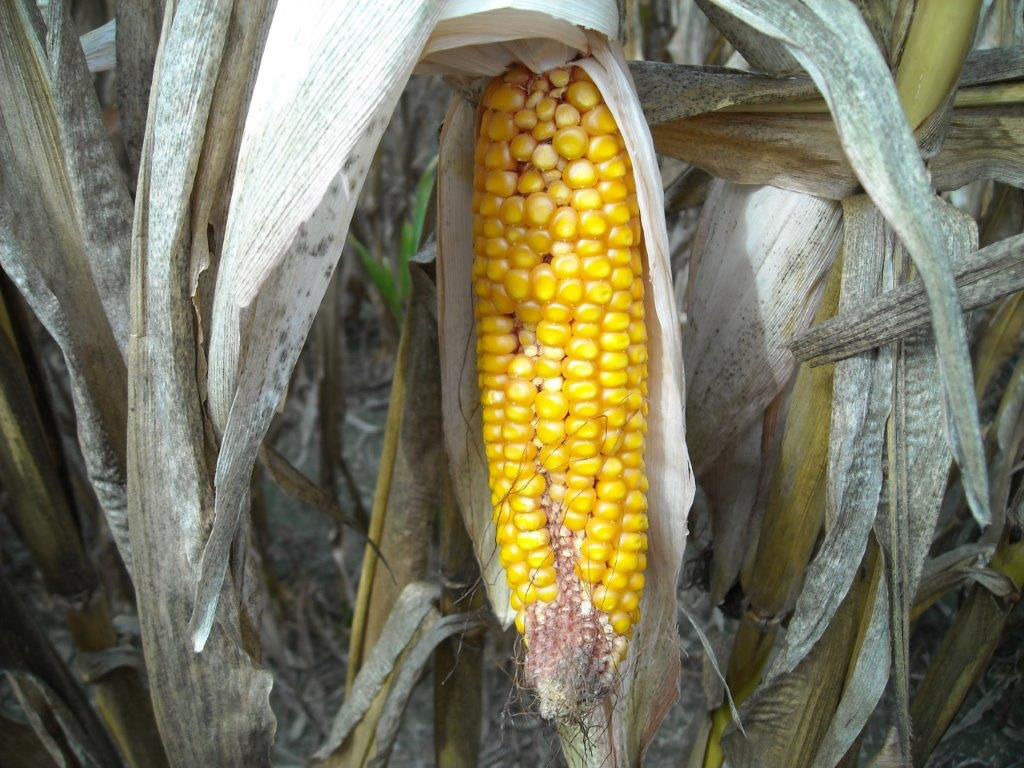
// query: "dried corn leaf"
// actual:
[[982, 277], [794, 492], [673, 91], [414, 607], [831, 41], [137, 26], [98, 45], [313, 125], [56, 708], [861, 404], [64, 230], [799, 152], [973, 636], [759, 254], [999, 342], [790, 716], [802, 151], [171, 497], [864, 685], [246, 36], [406, 498], [761, 51], [1008, 433], [981, 143], [918, 467]]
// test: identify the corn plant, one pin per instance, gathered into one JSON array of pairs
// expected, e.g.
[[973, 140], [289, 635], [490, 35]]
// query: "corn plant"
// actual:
[[758, 257]]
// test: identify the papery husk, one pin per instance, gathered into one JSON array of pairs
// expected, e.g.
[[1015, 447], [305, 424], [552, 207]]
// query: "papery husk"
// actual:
[[618, 734], [758, 258]]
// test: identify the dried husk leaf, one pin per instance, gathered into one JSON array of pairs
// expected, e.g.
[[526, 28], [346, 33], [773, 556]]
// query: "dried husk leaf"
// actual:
[[790, 716], [918, 467], [731, 484], [296, 185], [829, 38], [799, 152], [171, 495], [759, 255], [861, 404], [483, 37], [64, 231], [460, 395]]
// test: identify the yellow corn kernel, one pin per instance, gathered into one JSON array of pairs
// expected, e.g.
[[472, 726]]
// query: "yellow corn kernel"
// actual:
[[564, 223], [591, 571], [620, 621], [543, 130], [530, 540], [521, 147], [566, 115], [525, 119], [507, 98], [604, 599], [520, 621], [544, 157], [529, 181], [541, 557], [517, 573], [598, 121], [547, 594], [511, 554]]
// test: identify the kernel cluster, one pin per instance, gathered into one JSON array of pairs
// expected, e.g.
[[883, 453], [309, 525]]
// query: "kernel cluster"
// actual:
[[561, 348]]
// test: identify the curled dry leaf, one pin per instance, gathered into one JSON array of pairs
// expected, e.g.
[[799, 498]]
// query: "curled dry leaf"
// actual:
[[171, 500], [832, 42], [759, 255], [65, 225]]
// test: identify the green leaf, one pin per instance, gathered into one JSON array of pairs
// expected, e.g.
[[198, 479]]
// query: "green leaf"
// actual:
[[380, 277]]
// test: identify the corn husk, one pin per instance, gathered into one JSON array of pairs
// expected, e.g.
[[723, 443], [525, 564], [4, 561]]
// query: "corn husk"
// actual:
[[752, 289]]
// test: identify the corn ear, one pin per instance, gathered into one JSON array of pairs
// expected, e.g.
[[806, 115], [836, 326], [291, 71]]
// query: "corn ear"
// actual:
[[640, 707]]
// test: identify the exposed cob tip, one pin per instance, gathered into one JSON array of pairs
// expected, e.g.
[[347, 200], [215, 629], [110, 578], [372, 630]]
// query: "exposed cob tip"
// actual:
[[573, 649], [562, 365]]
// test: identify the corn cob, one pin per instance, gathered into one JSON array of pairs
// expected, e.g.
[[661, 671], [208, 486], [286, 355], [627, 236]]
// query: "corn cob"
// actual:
[[562, 366]]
